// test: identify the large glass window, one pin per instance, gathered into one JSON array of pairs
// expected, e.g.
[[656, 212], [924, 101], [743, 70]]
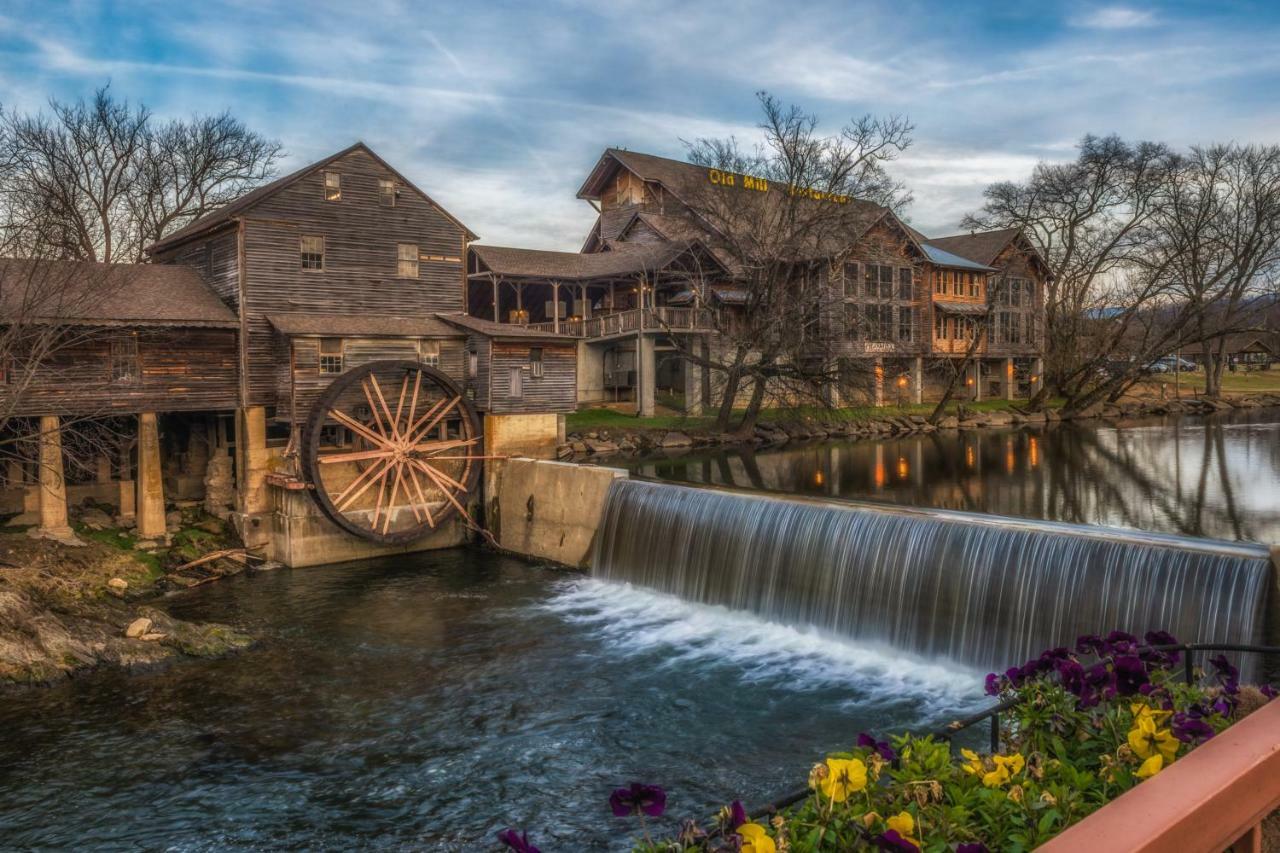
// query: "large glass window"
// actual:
[[330, 356], [407, 260], [332, 186], [312, 249], [906, 324]]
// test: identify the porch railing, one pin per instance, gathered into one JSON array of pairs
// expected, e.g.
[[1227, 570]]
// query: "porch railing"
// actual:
[[657, 319]]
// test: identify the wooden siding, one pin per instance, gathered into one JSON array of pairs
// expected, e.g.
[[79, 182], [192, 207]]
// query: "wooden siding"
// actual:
[[216, 258], [887, 246], [181, 370], [478, 385], [300, 383], [555, 391]]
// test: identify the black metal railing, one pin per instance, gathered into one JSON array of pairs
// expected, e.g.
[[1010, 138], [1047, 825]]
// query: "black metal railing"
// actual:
[[993, 713]]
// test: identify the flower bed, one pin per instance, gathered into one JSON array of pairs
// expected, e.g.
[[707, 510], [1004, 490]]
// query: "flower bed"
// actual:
[[1089, 724]]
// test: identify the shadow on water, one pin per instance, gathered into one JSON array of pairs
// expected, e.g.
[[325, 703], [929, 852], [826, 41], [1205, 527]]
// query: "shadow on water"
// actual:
[[1215, 477]]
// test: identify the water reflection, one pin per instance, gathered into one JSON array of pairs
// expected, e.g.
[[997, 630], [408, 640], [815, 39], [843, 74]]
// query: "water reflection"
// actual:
[[1217, 476]]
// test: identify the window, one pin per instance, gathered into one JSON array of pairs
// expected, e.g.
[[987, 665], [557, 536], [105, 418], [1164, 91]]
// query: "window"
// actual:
[[407, 260], [937, 282], [906, 324], [535, 362], [387, 193], [975, 285], [852, 321], [879, 322], [850, 281], [312, 249], [429, 353], [516, 389], [939, 326], [124, 360], [332, 186], [879, 280], [330, 355], [905, 284], [473, 365]]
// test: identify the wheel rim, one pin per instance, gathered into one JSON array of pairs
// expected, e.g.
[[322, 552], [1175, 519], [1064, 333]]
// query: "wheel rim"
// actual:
[[413, 456]]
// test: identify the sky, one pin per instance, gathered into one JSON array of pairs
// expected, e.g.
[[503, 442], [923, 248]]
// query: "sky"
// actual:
[[498, 111]]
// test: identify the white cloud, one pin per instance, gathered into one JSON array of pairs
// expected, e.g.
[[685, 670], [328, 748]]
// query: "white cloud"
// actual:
[[1115, 18]]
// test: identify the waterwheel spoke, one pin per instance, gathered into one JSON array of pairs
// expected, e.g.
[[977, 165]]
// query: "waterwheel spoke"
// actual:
[[413, 403], [422, 498], [434, 475], [361, 429], [448, 479], [449, 444], [391, 501], [373, 408], [435, 420], [377, 389], [413, 430], [404, 387], [382, 489], [354, 456], [374, 473]]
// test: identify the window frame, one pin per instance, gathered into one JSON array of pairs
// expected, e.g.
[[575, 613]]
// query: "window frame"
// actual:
[[429, 352], [123, 350], [515, 383], [535, 362], [401, 260], [332, 186], [322, 355], [386, 192], [317, 265]]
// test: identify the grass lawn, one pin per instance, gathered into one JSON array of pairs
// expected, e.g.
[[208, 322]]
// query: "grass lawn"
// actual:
[[1256, 382], [594, 419]]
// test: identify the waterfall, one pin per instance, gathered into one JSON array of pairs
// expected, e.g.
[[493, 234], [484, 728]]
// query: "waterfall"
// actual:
[[982, 591]]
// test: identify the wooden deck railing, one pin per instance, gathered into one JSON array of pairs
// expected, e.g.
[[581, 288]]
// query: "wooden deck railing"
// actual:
[[658, 319]]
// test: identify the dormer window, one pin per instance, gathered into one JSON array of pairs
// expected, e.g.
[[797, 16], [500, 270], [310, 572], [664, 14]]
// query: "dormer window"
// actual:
[[332, 186], [387, 193]]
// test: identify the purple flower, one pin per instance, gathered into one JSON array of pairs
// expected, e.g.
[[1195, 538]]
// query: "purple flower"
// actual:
[[638, 799], [737, 814], [519, 842], [1226, 673], [992, 684], [1071, 674], [882, 747], [1268, 691], [976, 847], [1090, 644], [1189, 729], [1160, 638], [891, 840], [1120, 642], [1131, 674]]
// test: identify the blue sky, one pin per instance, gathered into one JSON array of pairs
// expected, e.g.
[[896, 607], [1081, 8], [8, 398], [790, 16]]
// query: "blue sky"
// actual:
[[499, 110]]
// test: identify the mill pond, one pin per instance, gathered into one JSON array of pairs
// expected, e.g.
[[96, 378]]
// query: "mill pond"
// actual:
[[429, 701]]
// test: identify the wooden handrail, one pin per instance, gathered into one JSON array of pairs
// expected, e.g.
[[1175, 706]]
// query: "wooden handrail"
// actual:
[[1215, 797]]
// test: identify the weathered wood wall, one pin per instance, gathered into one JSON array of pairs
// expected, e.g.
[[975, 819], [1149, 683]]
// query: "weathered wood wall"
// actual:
[[555, 391], [180, 370]]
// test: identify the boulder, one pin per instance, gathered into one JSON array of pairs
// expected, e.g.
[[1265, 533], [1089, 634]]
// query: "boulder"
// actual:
[[138, 627], [117, 587], [949, 422], [675, 439], [998, 418], [95, 519], [601, 446]]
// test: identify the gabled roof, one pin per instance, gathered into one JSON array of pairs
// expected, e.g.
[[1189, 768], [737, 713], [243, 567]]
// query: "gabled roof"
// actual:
[[296, 324], [980, 246], [624, 259], [505, 331], [230, 210], [90, 294], [943, 258]]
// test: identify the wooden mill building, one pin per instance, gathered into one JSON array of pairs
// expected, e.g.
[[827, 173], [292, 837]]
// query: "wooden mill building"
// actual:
[[649, 273]]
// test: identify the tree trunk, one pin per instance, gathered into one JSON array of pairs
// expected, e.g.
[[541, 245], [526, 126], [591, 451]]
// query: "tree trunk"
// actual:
[[725, 414], [752, 414]]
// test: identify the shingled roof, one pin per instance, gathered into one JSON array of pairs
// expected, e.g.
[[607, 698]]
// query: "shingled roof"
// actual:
[[223, 215], [505, 331], [625, 259], [297, 324], [981, 246], [87, 293]]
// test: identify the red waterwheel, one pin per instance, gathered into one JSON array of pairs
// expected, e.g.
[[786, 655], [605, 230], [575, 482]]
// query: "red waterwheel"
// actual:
[[392, 449]]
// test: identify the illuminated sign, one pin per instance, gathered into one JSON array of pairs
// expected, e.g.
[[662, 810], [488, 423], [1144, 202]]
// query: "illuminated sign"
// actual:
[[747, 182]]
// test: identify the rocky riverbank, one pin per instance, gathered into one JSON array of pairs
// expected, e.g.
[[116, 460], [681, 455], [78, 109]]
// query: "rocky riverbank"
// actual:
[[67, 608], [581, 446]]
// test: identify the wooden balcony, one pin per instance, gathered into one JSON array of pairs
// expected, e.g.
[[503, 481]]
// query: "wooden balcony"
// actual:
[[658, 320]]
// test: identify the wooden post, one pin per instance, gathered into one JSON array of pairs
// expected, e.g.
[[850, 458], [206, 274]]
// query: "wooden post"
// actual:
[[917, 381], [150, 501], [646, 367], [53, 484], [555, 307], [252, 473], [102, 469], [878, 393], [1009, 377], [977, 380], [497, 318]]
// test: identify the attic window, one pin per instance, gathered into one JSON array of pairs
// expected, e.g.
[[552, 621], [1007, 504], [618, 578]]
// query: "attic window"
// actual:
[[387, 193], [332, 186], [312, 249]]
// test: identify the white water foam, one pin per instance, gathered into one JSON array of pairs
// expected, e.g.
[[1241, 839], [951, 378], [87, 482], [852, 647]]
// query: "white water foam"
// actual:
[[633, 621]]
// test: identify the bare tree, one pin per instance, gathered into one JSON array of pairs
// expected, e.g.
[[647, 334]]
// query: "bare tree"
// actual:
[[782, 218], [101, 179]]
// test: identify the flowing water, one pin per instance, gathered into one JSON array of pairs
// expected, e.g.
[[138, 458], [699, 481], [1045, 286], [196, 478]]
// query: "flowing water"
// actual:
[[428, 702], [1216, 477], [977, 590]]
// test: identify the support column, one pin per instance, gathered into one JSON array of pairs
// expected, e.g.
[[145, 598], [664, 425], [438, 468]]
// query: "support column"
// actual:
[[150, 501], [646, 368], [977, 380], [555, 307], [692, 389], [251, 477], [1037, 375], [496, 317], [1010, 379], [878, 398], [53, 484], [102, 469], [126, 490], [917, 381]]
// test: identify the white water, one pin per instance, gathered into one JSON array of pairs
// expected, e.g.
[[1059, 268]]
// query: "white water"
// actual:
[[632, 621]]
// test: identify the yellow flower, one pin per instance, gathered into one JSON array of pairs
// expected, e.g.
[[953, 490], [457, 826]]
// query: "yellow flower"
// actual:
[[1150, 767], [996, 777], [755, 839], [973, 764], [905, 825], [845, 776], [1014, 762], [1147, 739], [1142, 709], [1006, 767]]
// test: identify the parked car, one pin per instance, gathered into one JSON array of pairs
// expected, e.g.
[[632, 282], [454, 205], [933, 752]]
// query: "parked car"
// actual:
[[1170, 364]]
